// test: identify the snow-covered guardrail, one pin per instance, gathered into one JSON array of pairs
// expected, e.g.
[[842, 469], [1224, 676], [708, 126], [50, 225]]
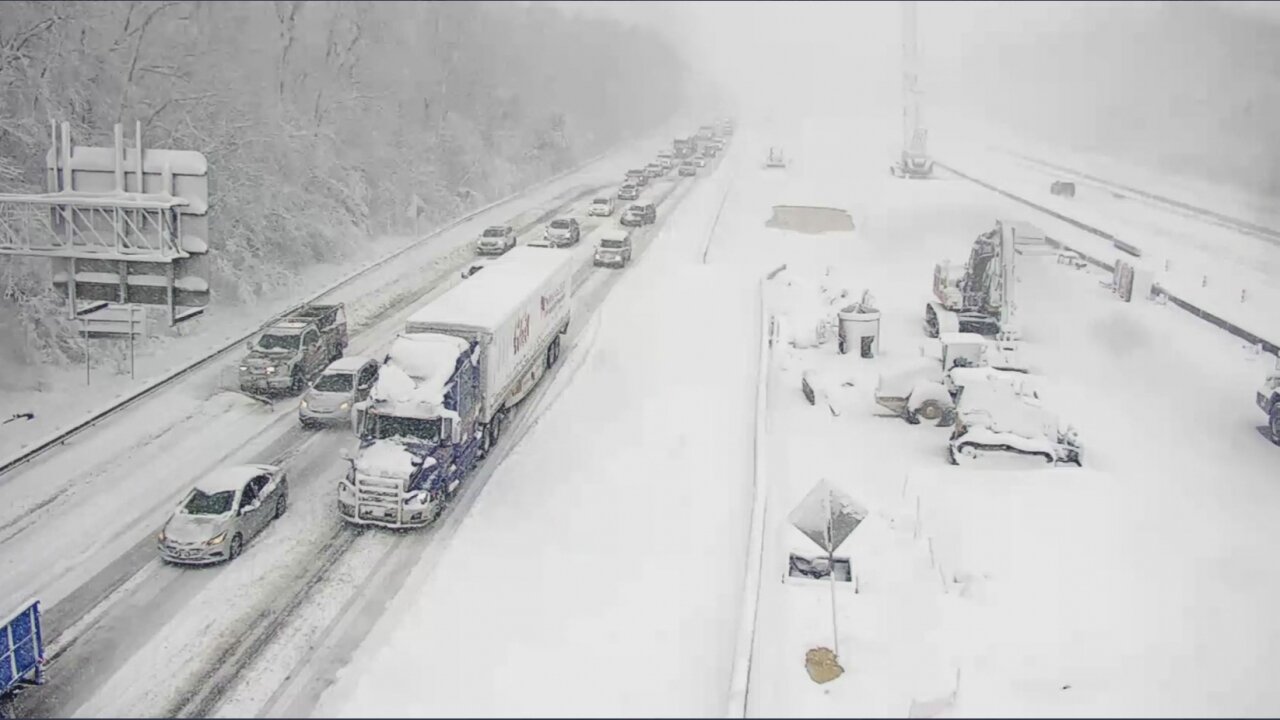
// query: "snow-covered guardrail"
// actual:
[[1156, 289], [739, 684], [96, 416]]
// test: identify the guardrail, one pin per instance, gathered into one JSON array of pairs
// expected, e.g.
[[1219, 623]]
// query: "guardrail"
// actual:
[[740, 682], [1156, 288], [94, 417]]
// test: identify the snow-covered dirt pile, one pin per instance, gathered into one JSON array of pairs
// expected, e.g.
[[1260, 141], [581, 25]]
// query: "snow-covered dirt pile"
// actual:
[[604, 558]]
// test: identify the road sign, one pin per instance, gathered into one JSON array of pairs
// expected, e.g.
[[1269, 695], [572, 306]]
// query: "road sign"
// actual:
[[827, 516], [114, 321]]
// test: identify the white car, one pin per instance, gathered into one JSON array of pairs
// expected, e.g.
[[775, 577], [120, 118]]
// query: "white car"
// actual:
[[700, 160], [225, 509], [601, 207], [496, 240]]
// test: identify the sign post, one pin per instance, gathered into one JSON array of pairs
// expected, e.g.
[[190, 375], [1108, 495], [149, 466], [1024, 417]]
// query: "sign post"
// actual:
[[827, 516]]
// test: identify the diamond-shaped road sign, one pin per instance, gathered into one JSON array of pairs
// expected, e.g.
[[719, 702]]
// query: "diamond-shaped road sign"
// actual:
[[827, 516]]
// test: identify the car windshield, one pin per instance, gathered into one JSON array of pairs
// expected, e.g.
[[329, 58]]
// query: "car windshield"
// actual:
[[202, 503], [600, 201], [635, 209], [427, 430], [560, 224], [335, 382], [495, 232], [278, 342], [613, 244]]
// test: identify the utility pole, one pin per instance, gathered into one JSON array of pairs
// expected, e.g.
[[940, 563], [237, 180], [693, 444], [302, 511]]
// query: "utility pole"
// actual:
[[910, 75]]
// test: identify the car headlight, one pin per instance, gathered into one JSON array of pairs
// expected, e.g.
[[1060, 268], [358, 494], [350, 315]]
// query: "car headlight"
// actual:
[[344, 406], [160, 537], [271, 369], [303, 404], [244, 367], [218, 540]]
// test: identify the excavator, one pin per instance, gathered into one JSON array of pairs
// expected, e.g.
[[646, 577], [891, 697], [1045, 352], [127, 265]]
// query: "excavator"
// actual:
[[978, 296]]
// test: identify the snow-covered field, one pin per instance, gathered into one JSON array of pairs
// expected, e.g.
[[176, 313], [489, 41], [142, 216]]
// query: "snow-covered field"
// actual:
[[1138, 585]]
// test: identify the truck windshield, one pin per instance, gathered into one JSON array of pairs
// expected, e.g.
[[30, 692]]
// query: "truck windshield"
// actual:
[[560, 224], [202, 503], [427, 430], [278, 342], [335, 382]]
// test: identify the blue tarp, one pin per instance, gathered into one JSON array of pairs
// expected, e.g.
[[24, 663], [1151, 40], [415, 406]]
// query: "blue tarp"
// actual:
[[21, 648]]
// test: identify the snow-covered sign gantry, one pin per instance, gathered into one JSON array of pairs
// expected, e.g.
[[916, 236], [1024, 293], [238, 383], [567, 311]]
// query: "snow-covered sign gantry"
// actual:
[[122, 225]]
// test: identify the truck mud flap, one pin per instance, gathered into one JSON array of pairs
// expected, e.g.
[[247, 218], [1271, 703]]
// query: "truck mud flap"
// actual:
[[1265, 431]]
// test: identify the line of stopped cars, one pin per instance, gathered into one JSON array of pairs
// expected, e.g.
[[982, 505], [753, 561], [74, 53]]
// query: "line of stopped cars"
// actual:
[[434, 406]]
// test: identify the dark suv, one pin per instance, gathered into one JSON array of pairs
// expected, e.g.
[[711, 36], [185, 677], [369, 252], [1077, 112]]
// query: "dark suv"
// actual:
[[637, 215]]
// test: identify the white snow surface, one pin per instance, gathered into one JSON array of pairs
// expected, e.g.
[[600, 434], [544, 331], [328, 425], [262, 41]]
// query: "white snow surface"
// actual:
[[386, 459], [598, 573], [416, 376], [1142, 584], [490, 298]]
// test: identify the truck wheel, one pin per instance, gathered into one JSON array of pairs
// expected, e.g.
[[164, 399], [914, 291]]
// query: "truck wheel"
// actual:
[[1275, 422]]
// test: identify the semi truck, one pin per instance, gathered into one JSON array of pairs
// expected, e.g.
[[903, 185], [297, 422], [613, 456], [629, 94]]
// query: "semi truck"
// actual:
[[449, 384]]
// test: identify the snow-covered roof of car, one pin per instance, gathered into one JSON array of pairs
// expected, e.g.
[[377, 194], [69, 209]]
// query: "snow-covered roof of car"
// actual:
[[350, 363], [489, 298], [613, 234], [231, 478]]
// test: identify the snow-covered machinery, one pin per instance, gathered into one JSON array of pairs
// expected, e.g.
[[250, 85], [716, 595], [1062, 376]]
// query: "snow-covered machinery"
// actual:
[[1268, 399], [977, 297], [776, 159], [450, 381], [928, 388], [1002, 419]]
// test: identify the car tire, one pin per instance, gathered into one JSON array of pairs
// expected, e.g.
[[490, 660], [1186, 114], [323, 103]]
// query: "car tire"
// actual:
[[235, 548], [282, 504], [297, 383], [1275, 422]]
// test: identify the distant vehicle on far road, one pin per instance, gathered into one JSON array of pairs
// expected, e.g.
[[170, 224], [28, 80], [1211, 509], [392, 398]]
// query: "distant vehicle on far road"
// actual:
[[563, 232], [225, 510], [640, 214], [653, 170], [601, 207], [613, 249], [688, 168], [628, 192]]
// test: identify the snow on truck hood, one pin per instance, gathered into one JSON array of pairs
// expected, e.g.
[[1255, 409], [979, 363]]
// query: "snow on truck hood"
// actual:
[[387, 459]]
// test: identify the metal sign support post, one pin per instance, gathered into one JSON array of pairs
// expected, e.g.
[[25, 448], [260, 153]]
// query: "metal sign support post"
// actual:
[[831, 574], [84, 330], [133, 311]]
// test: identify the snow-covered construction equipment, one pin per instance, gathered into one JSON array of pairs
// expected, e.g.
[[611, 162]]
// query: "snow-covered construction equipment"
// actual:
[[450, 381], [1268, 399], [927, 389], [996, 419], [775, 159], [978, 296]]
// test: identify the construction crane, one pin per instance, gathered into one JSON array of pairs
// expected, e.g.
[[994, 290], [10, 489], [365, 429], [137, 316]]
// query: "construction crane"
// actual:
[[914, 162]]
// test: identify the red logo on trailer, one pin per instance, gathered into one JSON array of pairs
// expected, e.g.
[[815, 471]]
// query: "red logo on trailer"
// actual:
[[521, 335]]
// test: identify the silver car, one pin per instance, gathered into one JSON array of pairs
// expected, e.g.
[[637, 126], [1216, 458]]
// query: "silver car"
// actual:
[[225, 510], [344, 383]]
